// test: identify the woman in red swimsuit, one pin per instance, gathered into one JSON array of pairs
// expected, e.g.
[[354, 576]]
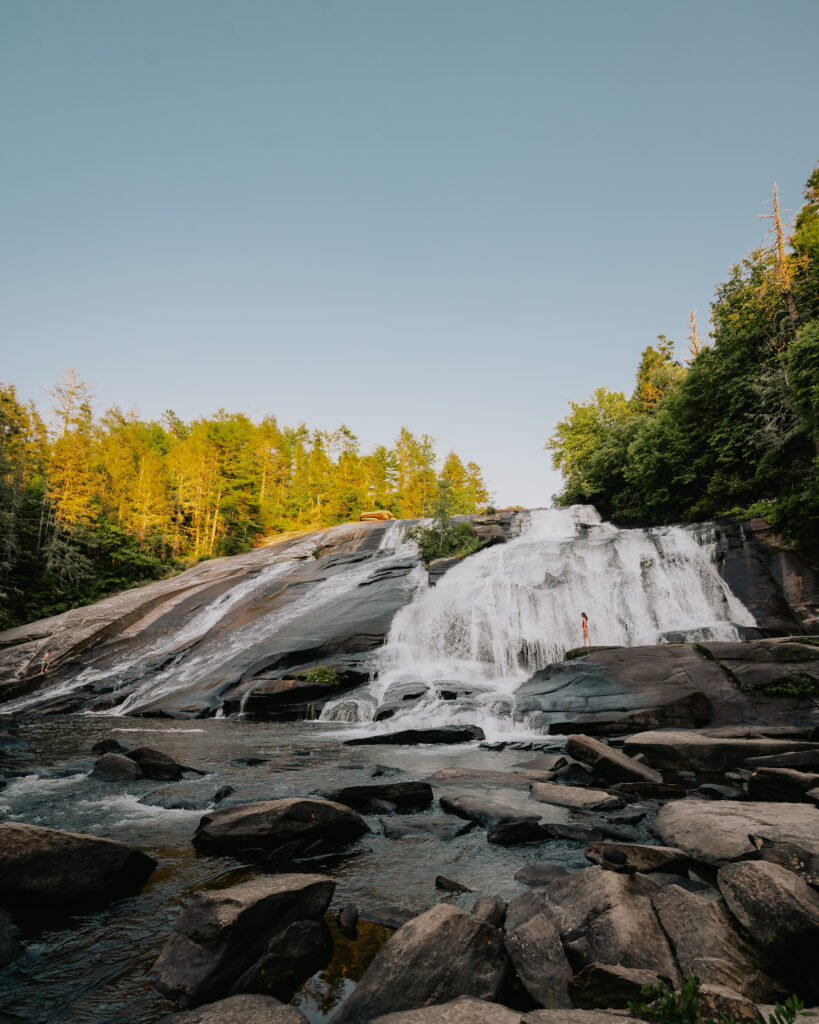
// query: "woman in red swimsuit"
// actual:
[[584, 625]]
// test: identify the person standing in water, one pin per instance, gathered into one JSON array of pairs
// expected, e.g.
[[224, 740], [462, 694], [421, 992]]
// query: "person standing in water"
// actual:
[[584, 625]]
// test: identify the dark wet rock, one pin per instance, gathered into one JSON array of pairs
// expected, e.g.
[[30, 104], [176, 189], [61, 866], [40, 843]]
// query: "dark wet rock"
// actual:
[[403, 796], [465, 1010], [702, 751], [174, 801], [155, 764], [279, 827], [608, 763], [438, 566], [380, 807], [536, 875], [108, 746], [347, 920], [227, 933], [781, 913], [632, 857], [599, 986], [450, 884], [517, 833], [605, 917], [441, 827], [632, 817], [629, 688], [547, 763], [568, 796], [577, 833], [468, 955], [491, 909], [717, 832], [408, 737], [575, 774], [717, 1002], [10, 947], [291, 956], [10, 741], [536, 953], [781, 784], [617, 833], [804, 760], [250, 762], [650, 790], [707, 942], [222, 794], [116, 768], [243, 1009], [281, 698], [50, 869], [486, 811], [383, 769], [714, 791]]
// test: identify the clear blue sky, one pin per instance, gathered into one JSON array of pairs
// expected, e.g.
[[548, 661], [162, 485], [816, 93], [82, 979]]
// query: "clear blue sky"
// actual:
[[455, 215]]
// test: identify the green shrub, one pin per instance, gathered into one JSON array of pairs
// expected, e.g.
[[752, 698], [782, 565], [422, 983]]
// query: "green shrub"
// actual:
[[444, 538], [323, 674], [663, 1005]]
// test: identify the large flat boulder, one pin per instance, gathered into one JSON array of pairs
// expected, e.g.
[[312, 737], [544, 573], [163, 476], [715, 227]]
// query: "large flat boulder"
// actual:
[[283, 828], [575, 796], [435, 957], [629, 858], [51, 869], [224, 933], [701, 751], [489, 810], [405, 796], [244, 1009], [716, 832]]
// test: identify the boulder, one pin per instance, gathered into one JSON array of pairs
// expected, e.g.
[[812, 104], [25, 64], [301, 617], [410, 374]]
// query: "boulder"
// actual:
[[526, 906], [632, 857], [610, 985], [408, 737], [717, 1002], [702, 751], [486, 777], [609, 763], [546, 763], [245, 1009], [435, 957], [536, 875], [571, 796], [116, 768], [536, 953], [486, 811], [466, 1010], [50, 869], [403, 795], [790, 856], [226, 934], [282, 828], [516, 833], [450, 884], [604, 917], [10, 947], [781, 784], [347, 920], [438, 826], [781, 914], [708, 944], [108, 746], [491, 909], [292, 955], [717, 832], [804, 760], [155, 764]]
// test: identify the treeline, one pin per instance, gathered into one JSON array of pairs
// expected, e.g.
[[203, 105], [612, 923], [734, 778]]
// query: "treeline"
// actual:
[[95, 505], [734, 429]]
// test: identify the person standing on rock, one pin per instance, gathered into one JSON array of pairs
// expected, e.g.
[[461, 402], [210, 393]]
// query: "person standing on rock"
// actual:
[[584, 625], [44, 666]]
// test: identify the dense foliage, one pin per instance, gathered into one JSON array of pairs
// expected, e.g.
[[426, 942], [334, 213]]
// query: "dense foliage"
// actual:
[[445, 538], [99, 504], [736, 430]]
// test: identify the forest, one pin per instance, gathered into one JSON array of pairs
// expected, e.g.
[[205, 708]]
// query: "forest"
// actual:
[[91, 505], [731, 430]]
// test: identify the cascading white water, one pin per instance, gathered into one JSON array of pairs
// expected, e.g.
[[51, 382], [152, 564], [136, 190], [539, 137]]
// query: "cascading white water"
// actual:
[[508, 611]]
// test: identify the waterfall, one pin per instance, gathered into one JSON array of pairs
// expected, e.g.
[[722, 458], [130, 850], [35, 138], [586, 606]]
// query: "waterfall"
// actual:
[[466, 644]]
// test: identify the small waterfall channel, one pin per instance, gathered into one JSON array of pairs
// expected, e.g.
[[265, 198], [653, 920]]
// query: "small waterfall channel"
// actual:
[[457, 653]]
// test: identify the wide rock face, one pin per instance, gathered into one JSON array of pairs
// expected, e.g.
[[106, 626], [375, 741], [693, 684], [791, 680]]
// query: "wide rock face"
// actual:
[[537, 955], [47, 868], [465, 1010], [284, 828], [707, 750], [717, 832], [435, 957], [223, 934], [245, 1009]]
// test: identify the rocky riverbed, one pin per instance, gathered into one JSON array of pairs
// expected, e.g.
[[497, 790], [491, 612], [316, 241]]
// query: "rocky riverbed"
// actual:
[[542, 874]]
